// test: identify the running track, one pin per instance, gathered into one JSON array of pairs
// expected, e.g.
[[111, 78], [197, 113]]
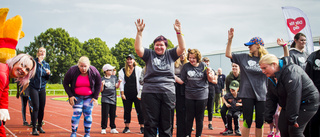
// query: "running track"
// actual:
[[58, 122]]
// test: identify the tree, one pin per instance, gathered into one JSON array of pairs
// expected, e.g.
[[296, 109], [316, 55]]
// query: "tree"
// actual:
[[98, 53], [125, 47], [63, 51], [170, 45]]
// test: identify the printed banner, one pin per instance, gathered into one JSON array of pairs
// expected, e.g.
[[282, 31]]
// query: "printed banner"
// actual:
[[296, 22]]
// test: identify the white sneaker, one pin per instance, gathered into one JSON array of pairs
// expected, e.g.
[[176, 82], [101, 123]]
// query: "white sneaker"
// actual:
[[103, 131], [114, 131]]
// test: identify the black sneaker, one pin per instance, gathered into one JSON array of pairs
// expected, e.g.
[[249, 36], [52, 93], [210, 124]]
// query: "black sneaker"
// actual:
[[210, 127], [126, 130], [25, 123], [141, 130], [238, 132], [228, 132]]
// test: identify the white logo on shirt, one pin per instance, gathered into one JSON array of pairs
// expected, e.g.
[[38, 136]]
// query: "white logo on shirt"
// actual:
[[302, 60], [193, 75], [317, 62], [159, 63], [251, 63], [290, 81], [109, 85]]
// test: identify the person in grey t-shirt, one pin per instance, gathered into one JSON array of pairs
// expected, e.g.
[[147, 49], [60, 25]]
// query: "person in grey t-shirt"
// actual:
[[297, 53], [253, 87], [196, 76], [158, 92]]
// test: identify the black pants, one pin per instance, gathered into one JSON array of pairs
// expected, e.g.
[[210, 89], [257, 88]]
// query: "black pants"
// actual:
[[287, 130], [223, 113], [127, 104], [38, 101], [24, 101], [235, 116], [210, 106], [248, 105], [195, 109], [157, 111], [108, 110], [313, 127], [180, 110]]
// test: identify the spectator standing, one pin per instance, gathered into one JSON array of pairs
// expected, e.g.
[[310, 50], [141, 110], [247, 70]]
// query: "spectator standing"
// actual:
[[129, 89], [211, 95], [297, 53], [37, 91], [109, 85], [218, 93], [180, 96], [313, 71]]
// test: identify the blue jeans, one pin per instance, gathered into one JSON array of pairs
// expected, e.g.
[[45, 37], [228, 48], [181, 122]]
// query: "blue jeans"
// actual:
[[82, 105]]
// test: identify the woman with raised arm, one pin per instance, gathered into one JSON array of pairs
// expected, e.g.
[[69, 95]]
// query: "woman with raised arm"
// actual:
[[158, 93], [253, 87]]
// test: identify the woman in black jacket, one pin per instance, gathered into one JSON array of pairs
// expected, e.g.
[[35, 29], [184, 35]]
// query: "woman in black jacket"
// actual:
[[291, 88]]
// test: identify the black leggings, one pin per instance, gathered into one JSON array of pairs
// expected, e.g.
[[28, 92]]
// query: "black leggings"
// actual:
[[38, 101], [180, 110], [127, 104], [248, 105], [210, 106], [195, 109], [223, 113], [24, 101]]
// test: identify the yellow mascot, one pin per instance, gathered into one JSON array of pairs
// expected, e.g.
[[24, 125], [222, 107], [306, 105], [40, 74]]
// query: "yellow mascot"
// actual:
[[10, 33]]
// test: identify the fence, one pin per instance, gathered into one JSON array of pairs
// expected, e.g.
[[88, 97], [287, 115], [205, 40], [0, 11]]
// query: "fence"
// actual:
[[13, 92]]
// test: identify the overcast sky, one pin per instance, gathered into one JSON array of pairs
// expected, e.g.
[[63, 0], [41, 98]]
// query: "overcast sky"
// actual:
[[205, 23]]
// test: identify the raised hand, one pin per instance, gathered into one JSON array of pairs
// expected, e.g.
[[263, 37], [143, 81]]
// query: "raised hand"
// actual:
[[281, 42], [140, 25], [230, 33], [177, 26]]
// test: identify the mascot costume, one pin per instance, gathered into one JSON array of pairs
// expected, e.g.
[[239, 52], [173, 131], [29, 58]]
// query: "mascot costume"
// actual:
[[10, 33]]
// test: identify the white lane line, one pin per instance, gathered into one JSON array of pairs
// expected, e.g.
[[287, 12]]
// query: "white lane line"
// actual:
[[10, 131], [68, 130]]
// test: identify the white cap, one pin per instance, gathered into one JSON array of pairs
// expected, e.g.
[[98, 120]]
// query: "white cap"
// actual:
[[107, 67]]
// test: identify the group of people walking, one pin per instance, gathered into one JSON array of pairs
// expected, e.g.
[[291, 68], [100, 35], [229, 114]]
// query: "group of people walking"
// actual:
[[181, 79]]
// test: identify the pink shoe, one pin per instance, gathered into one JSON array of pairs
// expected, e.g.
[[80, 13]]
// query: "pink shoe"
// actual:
[[277, 135], [270, 134]]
